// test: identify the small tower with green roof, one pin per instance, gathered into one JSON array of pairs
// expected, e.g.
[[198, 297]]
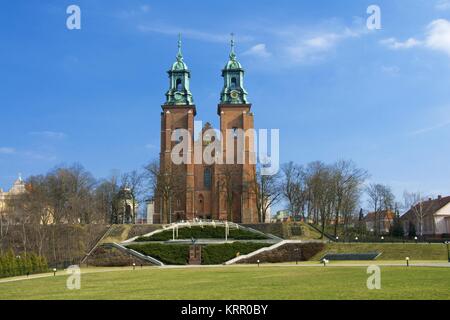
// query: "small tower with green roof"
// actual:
[[179, 76], [233, 91]]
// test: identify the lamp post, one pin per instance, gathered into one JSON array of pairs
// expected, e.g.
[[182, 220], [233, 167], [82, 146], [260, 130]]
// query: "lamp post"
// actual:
[[407, 261], [54, 272], [337, 239], [134, 266], [415, 239], [448, 249], [258, 262], [296, 250], [356, 239], [382, 238]]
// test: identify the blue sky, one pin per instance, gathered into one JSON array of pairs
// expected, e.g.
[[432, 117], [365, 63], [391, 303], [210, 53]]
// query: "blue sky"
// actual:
[[334, 89]]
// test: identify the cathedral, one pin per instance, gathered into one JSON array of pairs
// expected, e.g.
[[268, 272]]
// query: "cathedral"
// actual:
[[200, 190]]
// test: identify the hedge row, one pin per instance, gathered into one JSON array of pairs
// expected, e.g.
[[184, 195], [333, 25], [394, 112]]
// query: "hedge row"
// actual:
[[220, 253], [206, 232], [12, 265], [178, 254]]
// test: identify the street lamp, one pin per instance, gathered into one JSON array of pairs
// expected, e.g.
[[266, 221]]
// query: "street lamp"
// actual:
[[54, 272], [382, 238], [257, 262], [134, 266], [448, 249], [415, 239], [296, 250], [337, 239], [356, 238], [407, 261]]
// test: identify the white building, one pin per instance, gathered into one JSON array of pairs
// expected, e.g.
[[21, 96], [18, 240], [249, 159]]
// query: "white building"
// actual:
[[150, 211], [430, 217], [17, 189]]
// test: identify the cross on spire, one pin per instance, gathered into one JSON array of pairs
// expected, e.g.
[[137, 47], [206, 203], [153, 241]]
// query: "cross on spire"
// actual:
[[232, 54], [179, 55]]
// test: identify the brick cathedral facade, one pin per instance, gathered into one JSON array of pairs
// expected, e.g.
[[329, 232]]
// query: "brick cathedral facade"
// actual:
[[218, 191]]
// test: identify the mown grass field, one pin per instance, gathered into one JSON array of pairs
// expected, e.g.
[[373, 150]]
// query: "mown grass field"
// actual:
[[390, 251], [240, 283]]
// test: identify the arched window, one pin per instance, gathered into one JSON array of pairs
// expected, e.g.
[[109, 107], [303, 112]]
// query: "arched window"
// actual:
[[207, 178], [179, 85], [233, 84]]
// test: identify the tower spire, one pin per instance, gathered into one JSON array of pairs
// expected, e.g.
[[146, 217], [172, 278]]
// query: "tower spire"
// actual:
[[180, 54], [232, 53]]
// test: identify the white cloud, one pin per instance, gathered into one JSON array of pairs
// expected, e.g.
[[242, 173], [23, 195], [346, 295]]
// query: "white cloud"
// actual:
[[258, 50], [394, 44], [7, 150], [49, 134], [145, 8], [316, 46], [133, 13], [430, 129], [438, 36], [390, 70], [191, 33], [443, 5]]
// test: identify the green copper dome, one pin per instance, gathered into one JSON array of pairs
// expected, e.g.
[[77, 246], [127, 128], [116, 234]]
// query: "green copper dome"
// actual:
[[233, 91], [179, 65], [179, 76]]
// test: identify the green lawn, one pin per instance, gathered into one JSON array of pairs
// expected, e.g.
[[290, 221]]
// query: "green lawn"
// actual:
[[390, 251], [240, 283]]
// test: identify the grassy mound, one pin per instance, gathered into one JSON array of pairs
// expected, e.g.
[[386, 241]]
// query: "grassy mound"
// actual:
[[178, 254], [389, 251], [204, 233]]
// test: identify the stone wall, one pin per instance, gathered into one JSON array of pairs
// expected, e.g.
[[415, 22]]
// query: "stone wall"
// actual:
[[289, 252]]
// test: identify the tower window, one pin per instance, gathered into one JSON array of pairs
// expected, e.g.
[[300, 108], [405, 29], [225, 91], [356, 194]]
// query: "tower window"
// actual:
[[179, 85], [235, 132], [207, 178], [233, 84]]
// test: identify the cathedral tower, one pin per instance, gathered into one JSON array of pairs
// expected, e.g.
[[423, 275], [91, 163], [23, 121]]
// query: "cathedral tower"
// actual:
[[236, 119], [178, 112]]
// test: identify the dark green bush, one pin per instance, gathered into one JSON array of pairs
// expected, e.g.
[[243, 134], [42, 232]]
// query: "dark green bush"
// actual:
[[178, 254], [12, 265], [220, 253], [204, 233]]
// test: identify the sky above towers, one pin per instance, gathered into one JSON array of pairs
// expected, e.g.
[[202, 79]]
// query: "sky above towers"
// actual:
[[335, 89]]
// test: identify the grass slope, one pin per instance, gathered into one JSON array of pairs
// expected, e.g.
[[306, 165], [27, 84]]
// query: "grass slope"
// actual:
[[390, 251], [204, 233], [240, 283]]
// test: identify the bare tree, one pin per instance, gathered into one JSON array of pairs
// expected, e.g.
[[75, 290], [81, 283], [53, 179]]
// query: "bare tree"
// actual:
[[268, 191], [166, 184], [380, 198], [4, 228], [415, 201], [294, 188], [134, 181], [230, 186], [347, 179]]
